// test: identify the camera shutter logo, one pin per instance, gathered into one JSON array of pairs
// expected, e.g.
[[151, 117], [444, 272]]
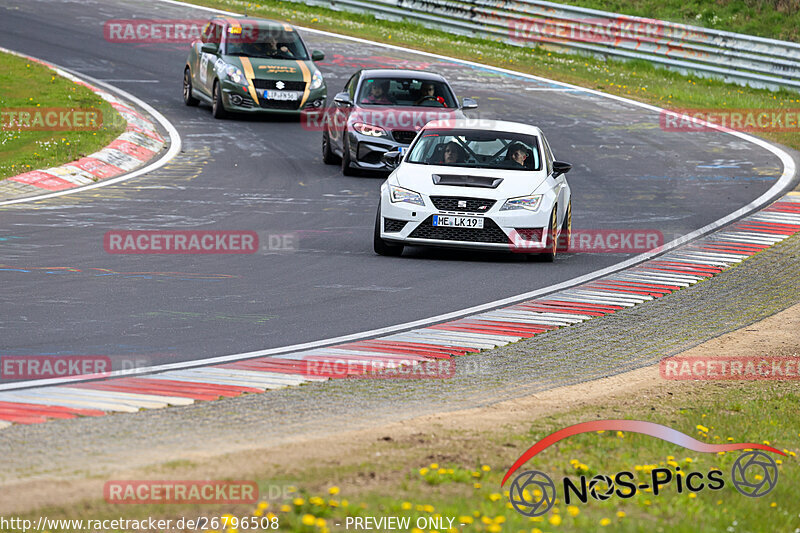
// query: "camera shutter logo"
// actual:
[[524, 489], [601, 480], [747, 469]]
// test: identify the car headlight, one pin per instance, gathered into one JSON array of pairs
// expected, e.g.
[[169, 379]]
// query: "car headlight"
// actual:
[[235, 75], [531, 203], [399, 194], [368, 129], [316, 80]]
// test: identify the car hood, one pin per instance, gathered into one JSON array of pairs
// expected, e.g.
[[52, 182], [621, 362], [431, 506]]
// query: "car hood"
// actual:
[[402, 118], [263, 68], [469, 182]]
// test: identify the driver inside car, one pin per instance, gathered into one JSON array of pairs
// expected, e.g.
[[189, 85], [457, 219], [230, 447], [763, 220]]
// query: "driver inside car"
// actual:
[[428, 92]]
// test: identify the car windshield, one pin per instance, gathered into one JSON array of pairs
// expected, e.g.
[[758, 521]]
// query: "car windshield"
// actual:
[[266, 43], [406, 92], [476, 149]]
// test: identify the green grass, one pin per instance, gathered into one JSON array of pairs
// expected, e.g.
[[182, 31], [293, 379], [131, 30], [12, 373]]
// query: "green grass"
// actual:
[[638, 80], [458, 475], [26, 84]]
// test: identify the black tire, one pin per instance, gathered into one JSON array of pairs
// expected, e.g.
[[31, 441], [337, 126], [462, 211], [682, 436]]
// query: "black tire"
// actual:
[[380, 246], [566, 231], [217, 107], [347, 170], [328, 157], [551, 242], [188, 99]]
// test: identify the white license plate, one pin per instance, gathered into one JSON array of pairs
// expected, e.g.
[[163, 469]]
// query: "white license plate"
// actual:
[[282, 95], [458, 222]]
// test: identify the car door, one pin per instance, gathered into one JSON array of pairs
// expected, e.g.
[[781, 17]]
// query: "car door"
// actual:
[[341, 113], [561, 188], [205, 70]]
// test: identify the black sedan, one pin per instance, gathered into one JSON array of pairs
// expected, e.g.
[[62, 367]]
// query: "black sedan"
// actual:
[[381, 110]]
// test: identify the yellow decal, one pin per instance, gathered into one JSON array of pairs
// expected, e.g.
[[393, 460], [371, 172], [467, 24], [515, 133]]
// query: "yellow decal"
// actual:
[[274, 69], [250, 75], [286, 27], [307, 79]]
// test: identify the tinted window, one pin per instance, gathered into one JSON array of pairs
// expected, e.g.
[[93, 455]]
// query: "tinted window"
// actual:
[[406, 92], [476, 149], [266, 43]]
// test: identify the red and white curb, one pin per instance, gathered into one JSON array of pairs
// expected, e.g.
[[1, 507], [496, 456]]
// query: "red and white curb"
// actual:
[[136, 146], [657, 277]]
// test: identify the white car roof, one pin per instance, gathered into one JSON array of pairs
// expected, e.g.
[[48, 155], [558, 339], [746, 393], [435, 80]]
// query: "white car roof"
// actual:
[[486, 125]]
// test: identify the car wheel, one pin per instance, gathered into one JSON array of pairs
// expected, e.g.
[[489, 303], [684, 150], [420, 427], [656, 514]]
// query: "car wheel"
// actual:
[[551, 242], [328, 157], [380, 246], [347, 170], [566, 231], [188, 99], [217, 107]]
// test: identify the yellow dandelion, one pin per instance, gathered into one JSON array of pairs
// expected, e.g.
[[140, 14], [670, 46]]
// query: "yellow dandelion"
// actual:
[[320, 522], [605, 521], [494, 496], [423, 471], [406, 506], [555, 520], [308, 520], [476, 485], [333, 491], [298, 501], [434, 466], [285, 508], [573, 510], [621, 514], [486, 468]]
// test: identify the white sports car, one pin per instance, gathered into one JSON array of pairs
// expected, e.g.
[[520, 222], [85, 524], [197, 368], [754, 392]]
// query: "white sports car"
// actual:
[[477, 184]]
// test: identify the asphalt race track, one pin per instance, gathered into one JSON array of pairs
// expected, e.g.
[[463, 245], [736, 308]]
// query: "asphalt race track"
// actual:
[[63, 294]]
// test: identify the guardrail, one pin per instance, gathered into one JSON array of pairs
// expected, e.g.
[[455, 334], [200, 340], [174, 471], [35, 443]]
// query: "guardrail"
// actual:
[[735, 57]]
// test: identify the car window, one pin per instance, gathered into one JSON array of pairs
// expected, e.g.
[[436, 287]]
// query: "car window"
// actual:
[[267, 44], [350, 86], [548, 155], [476, 149], [406, 92], [211, 33]]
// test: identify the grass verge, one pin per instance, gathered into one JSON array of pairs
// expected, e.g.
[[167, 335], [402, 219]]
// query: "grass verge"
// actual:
[[28, 85], [443, 475]]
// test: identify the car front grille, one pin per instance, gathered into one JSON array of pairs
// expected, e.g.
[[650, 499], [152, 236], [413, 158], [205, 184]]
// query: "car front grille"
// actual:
[[287, 85], [391, 225], [490, 233], [404, 136], [278, 104], [467, 205]]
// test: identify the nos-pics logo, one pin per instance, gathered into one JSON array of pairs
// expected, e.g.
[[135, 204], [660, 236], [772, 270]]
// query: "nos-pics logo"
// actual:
[[533, 493]]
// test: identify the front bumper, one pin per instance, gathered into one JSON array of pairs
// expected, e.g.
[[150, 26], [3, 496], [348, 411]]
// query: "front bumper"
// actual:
[[519, 231], [366, 151], [238, 99]]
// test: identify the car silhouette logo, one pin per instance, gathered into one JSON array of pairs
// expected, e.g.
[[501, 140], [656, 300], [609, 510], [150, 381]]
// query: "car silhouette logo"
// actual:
[[280, 85]]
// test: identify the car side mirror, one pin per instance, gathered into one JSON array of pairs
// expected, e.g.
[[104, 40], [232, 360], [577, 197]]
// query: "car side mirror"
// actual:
[[392, 158], [560, 167], [210, 48], [468, 103], [343, 99], [317, 55]]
